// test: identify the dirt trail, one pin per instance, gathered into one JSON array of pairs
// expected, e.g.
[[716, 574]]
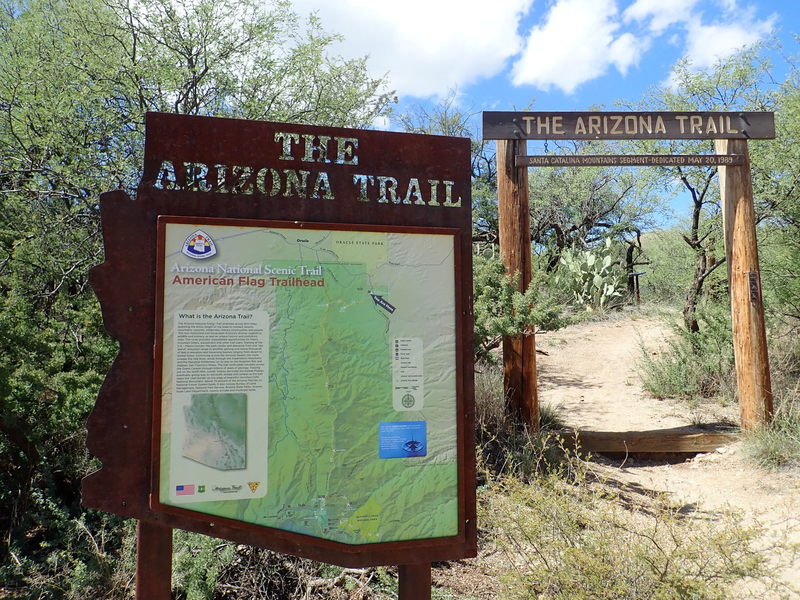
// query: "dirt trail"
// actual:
[[590, 373]]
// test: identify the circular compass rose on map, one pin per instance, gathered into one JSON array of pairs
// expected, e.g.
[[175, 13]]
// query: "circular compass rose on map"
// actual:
[[408, 401]]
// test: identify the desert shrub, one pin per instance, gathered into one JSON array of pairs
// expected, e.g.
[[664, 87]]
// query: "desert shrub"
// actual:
[[197, 562], [778, 444], [503, 447], [671, 265], [258, 573], [566, 541], [779, 252], [693, 366], [500, 309], [91, 556], [784, 355], [490, 403]]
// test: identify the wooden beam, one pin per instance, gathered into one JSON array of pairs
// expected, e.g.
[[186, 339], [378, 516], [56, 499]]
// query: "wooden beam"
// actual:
[[414, 581], [626, 125], [153, 561], [655, 441], [747, 309], [519, 353]]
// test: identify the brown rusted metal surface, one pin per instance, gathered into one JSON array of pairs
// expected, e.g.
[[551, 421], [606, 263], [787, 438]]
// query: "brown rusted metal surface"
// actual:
[[504, 125], [627, 160], [153, 561], [227, 157], [414, 581]]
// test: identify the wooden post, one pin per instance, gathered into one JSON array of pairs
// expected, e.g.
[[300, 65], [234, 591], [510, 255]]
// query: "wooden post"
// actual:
[[153, 561], [414, 582], [519, 353], [747, 309]]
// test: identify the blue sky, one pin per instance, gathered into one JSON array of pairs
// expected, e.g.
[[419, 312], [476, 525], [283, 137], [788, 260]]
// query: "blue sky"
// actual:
[[544, 54], [568, 55]]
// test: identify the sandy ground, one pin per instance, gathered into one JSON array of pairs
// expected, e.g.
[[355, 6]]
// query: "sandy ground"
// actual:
[[590, 373]]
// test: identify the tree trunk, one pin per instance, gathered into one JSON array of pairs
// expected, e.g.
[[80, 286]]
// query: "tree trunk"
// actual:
[[693, 295], [701, 247]]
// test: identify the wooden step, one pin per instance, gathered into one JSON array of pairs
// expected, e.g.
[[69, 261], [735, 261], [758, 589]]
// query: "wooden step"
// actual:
[[678, 440]]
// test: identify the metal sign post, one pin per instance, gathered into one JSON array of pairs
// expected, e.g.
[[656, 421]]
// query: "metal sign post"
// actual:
[[153, 561], [293, 305]]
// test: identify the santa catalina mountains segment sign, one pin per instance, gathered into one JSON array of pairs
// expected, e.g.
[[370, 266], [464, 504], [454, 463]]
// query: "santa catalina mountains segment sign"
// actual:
[[295, 365]]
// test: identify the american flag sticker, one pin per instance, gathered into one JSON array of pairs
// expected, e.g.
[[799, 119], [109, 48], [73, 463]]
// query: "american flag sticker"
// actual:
[[184, 490]]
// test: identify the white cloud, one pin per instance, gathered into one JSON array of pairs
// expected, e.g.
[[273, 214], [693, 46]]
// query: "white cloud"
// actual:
[[427, 47], [430, 47], [625, 51], [575, 44], [662, 13], [706, 44]]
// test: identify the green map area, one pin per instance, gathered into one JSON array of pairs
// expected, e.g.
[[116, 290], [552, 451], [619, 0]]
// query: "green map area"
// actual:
[[332, 343]]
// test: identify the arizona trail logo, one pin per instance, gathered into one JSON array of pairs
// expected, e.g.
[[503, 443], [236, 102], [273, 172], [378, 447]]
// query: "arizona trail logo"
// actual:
[[199, 245]]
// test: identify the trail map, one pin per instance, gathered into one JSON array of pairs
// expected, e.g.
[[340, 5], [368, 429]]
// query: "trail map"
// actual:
[[309, 379]]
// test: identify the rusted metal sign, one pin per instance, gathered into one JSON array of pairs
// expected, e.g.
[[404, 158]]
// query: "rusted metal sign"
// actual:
[[295, 370], [501, 125], [754, 283], [627, 160]]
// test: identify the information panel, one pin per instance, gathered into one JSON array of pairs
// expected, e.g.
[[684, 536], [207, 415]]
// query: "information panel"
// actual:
[[293, 305], [308, 376]]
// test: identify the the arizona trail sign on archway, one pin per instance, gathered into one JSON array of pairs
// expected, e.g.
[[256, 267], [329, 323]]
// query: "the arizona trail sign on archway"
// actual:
[[293, 305], [730, 130]]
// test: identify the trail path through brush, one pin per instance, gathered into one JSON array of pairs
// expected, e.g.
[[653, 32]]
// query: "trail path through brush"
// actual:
[[590, 374]]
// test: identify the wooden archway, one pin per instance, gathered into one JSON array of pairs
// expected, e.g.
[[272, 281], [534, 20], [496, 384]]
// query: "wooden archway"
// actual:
[[511, 130]]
